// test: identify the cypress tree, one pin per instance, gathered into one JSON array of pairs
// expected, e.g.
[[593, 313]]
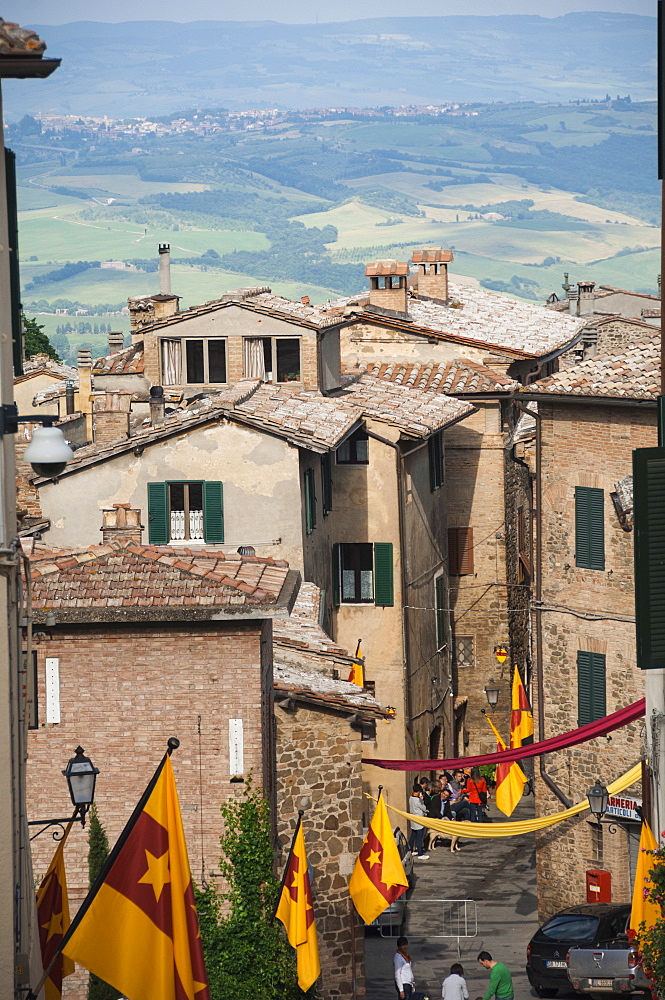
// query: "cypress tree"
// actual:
[[98, 852]]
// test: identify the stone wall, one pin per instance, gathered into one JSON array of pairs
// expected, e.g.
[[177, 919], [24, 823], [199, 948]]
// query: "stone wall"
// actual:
[[318, 761], [586, 444]]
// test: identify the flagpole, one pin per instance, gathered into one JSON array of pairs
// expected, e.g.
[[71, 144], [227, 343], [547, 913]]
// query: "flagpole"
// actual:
[[172, 745], [301, 813]]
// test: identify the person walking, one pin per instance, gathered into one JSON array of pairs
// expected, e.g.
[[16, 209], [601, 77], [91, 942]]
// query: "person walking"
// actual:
[[501, 981], [417, 808], [454, 985]]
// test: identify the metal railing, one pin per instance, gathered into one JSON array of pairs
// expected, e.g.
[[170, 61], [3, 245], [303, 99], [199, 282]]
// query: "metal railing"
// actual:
[[445, 918]]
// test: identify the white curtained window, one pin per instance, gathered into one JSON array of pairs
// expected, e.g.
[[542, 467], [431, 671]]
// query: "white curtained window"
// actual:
[[255, 366], [171, 360]]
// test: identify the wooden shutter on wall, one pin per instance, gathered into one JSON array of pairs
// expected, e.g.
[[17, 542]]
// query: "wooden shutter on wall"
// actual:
[[158, 513], [589, 528], [648, 492], [460, 551], [383, 575], [590, 686], [213, 513], [326, 481]]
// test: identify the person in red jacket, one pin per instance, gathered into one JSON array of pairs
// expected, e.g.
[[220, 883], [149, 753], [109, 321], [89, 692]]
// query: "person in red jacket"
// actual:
[[476, 787]]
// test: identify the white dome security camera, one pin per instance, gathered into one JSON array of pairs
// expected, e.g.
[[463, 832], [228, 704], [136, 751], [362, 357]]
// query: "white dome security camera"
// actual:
[[48, 452]]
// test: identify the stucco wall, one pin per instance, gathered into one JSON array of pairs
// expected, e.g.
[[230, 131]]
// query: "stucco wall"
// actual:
[[363, 342], [259, 473]]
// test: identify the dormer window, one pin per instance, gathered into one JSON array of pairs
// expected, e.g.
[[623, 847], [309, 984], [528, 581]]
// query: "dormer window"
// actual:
[[273, 359], [355, 450]]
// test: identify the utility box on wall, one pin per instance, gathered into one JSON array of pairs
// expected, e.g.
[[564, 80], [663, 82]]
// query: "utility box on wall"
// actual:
[[598, 886]]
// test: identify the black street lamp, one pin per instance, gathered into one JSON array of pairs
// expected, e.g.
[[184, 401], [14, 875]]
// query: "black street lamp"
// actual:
[[598, 797], [81, 775], [492, 693]]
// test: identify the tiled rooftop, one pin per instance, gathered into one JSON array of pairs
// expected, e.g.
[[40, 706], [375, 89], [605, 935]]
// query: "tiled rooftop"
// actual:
[[301, 629], [306, 418], [143, 576], [633, 373], [386, 267], [17, 41], [41, 364], [450, 377], [129, 361], [431, 255], [416, 412]]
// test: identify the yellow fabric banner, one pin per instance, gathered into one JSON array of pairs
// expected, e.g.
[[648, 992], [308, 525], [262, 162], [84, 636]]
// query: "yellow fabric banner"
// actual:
[[643, 909], [488, 831]]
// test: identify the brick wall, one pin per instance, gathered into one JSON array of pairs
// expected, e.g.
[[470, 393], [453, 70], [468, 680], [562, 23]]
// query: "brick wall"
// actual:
[[586, 444], [123, 692], [318, 757]]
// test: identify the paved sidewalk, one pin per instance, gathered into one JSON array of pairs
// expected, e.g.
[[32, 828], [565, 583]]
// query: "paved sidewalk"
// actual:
[[500, 876]]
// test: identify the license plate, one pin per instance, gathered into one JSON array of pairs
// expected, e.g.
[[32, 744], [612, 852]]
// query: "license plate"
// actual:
[[605, 983], [555, 965]]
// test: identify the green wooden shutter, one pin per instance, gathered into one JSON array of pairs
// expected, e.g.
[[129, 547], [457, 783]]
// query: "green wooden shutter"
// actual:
[[589, 528], [440, 593], [336, 572], [213, 513], [310, 501], [383, 575], [326, 481], [158, 514], [649, 515], [590, 686]]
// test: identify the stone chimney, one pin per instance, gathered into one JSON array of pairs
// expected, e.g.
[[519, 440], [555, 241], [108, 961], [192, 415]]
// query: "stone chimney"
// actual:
[[116, 342], [156, 405], [432, 268], [571, 295], [586, 297], [84, 362], [141, 313], [112, 416], [164, 305], [387, 285], [164, 269], [121, 523]]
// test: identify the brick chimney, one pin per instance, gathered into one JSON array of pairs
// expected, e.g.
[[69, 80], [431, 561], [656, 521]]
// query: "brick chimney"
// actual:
[[111, 416], [141, 313], [387, 284], [432, 264], [164, 269], [84, 362], [586, 297], [116, 342], [164, 305], [121, 523], [156, 405]]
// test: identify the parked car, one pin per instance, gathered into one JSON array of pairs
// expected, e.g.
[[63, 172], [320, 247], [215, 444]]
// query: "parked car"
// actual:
[[613, 968], [390, 922], [583, 926]]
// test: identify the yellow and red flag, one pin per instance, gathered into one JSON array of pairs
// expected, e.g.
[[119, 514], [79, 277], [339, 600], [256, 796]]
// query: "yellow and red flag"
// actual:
[[510, 778], [521, 716], [644, 910], [137, 928], [357, 674], [296, 911], [53, 921], [378, 877]]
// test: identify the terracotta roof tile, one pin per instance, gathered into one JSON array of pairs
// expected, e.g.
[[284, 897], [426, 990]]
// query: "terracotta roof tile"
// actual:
[[416, 412], [431, 255], [459, 376], [129, 361], [633, 373], [386, 267]]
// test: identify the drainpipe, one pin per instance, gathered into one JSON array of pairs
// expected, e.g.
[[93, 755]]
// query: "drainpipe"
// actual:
[[449, 713], [547, 778]]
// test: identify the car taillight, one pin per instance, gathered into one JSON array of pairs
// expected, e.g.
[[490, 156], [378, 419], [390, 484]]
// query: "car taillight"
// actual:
[[567, 957], [528, 952], [634, 957]]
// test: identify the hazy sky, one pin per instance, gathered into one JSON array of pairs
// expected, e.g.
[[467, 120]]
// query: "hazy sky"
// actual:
[[292, 11]]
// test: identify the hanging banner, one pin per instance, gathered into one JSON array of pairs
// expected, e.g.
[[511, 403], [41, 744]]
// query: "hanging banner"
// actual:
[[582, 735]]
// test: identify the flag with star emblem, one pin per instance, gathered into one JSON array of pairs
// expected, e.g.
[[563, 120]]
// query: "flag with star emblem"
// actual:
[[378, 877], [510, 778], [53, 921], [357, 674], [521, 716], [296, 912], [137, 929]]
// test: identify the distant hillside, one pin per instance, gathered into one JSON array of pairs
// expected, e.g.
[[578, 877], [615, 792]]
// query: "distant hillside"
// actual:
[[147, 68]]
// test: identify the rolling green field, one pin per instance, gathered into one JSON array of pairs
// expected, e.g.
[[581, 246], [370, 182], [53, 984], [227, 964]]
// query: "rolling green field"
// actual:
[[302, 206]]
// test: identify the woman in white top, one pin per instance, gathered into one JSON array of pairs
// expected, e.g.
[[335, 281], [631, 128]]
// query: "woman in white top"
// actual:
[[404, 983], [417, 808]]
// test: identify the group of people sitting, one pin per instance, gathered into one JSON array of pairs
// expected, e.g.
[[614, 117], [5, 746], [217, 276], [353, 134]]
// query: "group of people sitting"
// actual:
[[462, 795]]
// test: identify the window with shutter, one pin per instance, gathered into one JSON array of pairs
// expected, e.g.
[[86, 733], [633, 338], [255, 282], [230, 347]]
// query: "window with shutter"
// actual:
[[326, 482], [460, 551], [213, 513], [440, 605], [435, 452], [590, 686], [589, 528], [310, 501], [158, 529], [383, 574]]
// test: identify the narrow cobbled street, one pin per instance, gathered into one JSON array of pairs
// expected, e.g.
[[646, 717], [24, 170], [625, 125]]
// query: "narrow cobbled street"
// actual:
[[500, 876]]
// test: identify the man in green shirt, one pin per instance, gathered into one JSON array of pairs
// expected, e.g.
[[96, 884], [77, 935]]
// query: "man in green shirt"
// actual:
[[501, 981]]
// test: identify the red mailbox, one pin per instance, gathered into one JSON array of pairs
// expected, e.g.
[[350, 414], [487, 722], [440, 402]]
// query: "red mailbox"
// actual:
[[598, 886]]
